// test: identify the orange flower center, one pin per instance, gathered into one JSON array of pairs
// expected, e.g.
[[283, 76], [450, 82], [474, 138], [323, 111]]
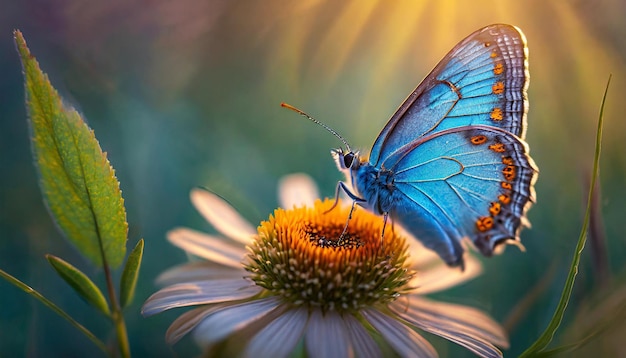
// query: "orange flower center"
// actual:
[[301, 255]]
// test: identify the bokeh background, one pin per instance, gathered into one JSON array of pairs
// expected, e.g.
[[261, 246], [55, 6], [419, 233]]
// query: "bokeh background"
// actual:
[[186, 93]]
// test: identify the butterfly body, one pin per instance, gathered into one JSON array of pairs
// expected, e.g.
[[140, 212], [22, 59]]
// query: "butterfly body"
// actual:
[[452, 163]]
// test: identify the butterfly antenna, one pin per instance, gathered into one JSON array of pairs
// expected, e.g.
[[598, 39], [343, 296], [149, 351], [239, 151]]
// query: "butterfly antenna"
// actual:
[[288, 106]]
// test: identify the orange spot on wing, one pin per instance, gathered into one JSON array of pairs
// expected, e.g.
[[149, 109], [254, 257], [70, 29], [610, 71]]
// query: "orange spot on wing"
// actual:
[[478, 139], [509, 172], [496, 114], [498, 68], [494, 54], [504, 198], [494, 208], [498, 88], [506, 185], [484, 223], [498, 147], [507, 160]]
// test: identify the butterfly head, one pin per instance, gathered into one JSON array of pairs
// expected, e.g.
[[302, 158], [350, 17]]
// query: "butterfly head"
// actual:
[[346, 160]]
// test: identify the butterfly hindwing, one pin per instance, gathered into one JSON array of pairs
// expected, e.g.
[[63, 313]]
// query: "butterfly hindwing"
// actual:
[[471, 181]]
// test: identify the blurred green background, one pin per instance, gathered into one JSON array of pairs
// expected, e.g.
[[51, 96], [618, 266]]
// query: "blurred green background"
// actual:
[[187, 93]]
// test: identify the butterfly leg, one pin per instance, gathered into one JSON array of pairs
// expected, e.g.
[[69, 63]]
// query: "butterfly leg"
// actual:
[[345, 228], [355, 200], [336, 198], [342, 186], [382, 233]]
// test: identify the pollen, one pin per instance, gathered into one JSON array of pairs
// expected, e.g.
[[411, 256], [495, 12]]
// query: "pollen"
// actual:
[[301, 256]]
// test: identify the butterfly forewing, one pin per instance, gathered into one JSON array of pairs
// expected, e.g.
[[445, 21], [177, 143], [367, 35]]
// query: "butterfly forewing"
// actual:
[[482, 81]]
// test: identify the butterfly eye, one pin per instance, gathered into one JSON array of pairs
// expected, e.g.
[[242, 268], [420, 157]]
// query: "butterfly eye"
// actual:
[[348, 159]]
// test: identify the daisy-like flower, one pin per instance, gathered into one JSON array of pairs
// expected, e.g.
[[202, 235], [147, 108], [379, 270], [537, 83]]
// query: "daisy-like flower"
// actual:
[[291, 286]]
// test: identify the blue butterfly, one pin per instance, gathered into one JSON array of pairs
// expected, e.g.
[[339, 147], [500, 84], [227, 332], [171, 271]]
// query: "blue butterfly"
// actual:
[[452, 162]]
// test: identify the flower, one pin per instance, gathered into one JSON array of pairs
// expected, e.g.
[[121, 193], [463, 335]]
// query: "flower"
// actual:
[[264, 291]]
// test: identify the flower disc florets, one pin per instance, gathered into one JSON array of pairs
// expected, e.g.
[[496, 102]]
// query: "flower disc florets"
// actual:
[[298, 255]]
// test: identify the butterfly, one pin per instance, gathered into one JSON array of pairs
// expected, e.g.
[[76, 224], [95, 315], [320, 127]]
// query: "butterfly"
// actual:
[[452, 163]]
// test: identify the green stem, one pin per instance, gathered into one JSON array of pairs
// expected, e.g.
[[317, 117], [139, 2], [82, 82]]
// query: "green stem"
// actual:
[[116, 314], [31, 291]]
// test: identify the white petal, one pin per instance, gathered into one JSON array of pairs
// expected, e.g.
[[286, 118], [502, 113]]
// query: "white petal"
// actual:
[[326, 336], [188, 321], [362, 342], [197, 293], [222, 216], [220, 324], [279, 337], [198, 271], [403, 339], [435, 275], [208, 247], [297, 190], [419, 253], [463, 325]]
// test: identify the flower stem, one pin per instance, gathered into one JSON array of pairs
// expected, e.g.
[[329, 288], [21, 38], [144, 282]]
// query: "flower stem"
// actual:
[[31, 291]]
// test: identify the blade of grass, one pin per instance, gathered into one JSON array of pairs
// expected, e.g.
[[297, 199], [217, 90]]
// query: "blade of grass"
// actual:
[[546, 337]]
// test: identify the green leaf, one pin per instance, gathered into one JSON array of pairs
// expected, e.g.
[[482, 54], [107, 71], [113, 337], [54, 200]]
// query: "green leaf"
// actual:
[[78, 183], [80, 283], [130, 275], [546, 337]]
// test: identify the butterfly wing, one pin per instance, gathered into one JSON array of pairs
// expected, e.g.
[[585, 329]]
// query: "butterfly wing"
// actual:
[[481, 81], [470, 181], [456, 147]]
